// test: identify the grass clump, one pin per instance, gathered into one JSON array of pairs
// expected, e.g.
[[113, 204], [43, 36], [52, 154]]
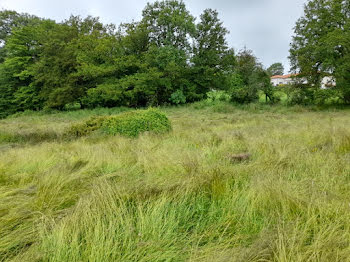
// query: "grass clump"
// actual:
[[131, 124]]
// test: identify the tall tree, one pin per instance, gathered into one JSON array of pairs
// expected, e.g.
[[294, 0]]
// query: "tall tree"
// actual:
[[58, 74], [169, 23], [276, 69], [212, 58], [23, 48], [9, 21], [321, 43], [245, 82]]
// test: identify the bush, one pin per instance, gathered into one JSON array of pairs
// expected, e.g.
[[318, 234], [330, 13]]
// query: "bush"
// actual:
[[83, 129], [244, 94], [300, 95], [133, 123], [326, 96], [178, 97], [240, 92], [218, 95], [129, 124]]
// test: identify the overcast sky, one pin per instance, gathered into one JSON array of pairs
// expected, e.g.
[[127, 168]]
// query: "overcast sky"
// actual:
[[265, 26]]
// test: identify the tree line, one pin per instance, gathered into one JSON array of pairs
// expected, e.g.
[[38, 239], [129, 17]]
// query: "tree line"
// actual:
[[165, 58]]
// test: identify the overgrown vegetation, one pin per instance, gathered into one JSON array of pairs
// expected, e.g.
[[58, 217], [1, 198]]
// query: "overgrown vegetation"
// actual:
[[255, 182], [246, 172], [130, 124], [166, 58], [133, 123]]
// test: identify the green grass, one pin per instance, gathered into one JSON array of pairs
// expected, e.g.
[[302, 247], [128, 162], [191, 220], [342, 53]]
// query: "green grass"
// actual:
[[178, 196]]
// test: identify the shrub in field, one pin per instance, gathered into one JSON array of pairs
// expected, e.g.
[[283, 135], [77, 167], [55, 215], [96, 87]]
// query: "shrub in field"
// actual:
[[83, 129], [129, 124], [300, 95], [327, 96], [178, 97], [133, 123], [244, 94]]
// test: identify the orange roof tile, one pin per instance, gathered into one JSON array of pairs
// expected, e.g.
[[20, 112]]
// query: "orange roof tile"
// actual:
[[284, 76]]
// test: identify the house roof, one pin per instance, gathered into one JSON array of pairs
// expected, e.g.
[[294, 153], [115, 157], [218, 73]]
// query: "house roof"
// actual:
[[283, 76]]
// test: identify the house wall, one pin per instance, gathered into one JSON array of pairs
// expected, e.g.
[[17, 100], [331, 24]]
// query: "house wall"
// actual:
[[326, 82], [280, 81]]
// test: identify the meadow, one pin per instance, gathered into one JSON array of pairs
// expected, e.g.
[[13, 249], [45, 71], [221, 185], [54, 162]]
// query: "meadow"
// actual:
[[184, 195]]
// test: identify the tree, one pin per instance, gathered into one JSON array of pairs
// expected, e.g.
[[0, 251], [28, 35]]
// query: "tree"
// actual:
[[212, 58], [262, 81], [61, 73], [9, 21], [169, 23], [321, 44], [164, 58], [276, 69], [248, 78], [23, 48]]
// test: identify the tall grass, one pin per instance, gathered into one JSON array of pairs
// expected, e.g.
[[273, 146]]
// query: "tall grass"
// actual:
[[178, 196]]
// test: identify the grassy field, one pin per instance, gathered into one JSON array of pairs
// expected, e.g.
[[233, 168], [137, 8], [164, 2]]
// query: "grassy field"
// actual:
[[180, 196]]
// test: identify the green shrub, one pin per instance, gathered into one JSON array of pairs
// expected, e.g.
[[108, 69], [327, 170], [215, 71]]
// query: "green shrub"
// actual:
[[178, 97], [105, 95], [7, 138], [133, 123], [244, 94], [83, 129], [326, 96], [300, 95], [129, 124], [218, 95]]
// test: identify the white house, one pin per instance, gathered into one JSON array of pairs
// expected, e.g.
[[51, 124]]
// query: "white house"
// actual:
[[281, 80], [327, 81]]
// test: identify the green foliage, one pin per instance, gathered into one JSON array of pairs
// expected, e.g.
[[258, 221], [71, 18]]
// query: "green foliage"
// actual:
[[212, 59], [240, 92], [218, 96], [243, 94], [104, 95], [10, 21], [243, 83], [321, 43], [85, 128], [248, 79], [300, 95], [17, 92], [168, 23], [166, 57], [276, 69], [262, 82], [178, 97], [131, 124], [306, 95]]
